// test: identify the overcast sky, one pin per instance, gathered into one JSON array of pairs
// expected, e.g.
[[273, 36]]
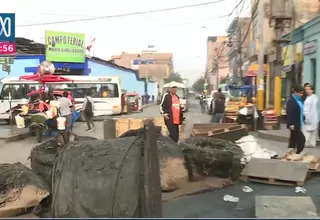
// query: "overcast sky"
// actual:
[[182, 32]]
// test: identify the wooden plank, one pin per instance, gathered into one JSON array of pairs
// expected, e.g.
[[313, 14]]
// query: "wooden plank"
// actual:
[[150, 188], [272, 207], [233, 135], [210, 126], [276, 169]]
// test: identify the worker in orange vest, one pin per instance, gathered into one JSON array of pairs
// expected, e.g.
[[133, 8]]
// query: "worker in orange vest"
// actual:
[[171, 110]]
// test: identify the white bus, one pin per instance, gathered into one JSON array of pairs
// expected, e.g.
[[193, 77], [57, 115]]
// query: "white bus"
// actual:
[[105, 91], [181, 92]]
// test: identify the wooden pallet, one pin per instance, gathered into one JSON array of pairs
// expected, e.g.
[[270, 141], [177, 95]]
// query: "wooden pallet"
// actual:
[[270, 181], [276, 172], [203, 129]]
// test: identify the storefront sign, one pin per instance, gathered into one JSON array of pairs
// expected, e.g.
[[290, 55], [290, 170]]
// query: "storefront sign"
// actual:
[[310, 47], [65, 47], [254, 69], [286, 55]]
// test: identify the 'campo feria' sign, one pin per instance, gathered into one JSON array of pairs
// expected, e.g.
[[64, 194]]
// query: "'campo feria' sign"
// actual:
[[65, 47]]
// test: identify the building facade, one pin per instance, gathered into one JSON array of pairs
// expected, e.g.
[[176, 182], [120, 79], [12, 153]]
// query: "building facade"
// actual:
[[217, 61], [161, 68], [304, 10], [238, 42]]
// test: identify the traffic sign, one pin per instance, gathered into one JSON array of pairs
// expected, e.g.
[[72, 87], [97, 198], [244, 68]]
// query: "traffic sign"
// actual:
[[138, 62], [6, 68], [6, 60]]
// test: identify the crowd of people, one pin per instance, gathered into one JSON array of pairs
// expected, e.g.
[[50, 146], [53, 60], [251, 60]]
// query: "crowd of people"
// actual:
[[302, 118]]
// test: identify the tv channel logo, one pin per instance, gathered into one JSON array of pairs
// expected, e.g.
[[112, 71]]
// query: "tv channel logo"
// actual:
[[7, 27]]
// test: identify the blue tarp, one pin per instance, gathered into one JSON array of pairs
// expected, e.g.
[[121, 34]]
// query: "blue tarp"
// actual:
[[246, 87]]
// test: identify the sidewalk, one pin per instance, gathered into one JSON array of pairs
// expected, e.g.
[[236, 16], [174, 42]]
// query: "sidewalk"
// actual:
[[18, 134], [281, 135]]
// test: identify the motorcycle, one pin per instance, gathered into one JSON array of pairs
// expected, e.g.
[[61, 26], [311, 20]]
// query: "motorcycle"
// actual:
[[203, 103]]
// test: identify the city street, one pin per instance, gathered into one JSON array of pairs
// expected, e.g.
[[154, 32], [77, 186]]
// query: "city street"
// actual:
[[209, 204]]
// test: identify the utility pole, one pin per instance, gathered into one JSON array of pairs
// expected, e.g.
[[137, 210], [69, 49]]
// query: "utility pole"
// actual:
[[6, 67], [216, 69], [260, 78], [281, 11], [240, 51]]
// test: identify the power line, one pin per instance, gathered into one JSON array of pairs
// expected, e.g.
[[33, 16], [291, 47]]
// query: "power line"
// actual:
[[249, 26], [122, 15]]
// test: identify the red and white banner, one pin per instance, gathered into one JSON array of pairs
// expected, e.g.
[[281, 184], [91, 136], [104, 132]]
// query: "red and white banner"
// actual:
[[90, 47]]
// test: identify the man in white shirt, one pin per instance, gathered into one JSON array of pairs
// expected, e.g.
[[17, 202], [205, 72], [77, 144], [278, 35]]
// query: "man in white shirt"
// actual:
[[66, 112]]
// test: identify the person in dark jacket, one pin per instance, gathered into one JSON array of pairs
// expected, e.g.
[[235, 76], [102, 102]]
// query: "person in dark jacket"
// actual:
[[217, 106], [171, 111], [295, 120]]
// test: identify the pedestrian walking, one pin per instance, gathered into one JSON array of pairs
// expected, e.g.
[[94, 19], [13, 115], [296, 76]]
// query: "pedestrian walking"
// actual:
[[123, 102], [203, 98], [295, 120], [305, 95], [172, 112], [65, 109], [217, 107], [87, 108], [311, 117]]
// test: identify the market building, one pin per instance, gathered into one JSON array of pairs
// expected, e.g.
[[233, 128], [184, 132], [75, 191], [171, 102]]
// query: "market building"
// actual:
[[70, 60], [304, 65]]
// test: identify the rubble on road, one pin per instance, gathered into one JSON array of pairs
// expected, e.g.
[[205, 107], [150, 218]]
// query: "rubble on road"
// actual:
[[252, 149], [103, 176], [173, 174], [207, 156], [312, 160], [43, 156], [21, 190]]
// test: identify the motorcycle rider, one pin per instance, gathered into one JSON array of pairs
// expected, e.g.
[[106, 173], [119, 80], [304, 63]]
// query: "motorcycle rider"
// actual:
[[202, 101]]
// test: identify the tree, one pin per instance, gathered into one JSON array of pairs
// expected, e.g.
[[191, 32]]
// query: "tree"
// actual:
[[199, 85], [224, 80], [173, 77]]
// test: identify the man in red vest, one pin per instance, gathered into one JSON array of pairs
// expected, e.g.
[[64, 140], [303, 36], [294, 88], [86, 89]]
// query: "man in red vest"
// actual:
[[172, 112]]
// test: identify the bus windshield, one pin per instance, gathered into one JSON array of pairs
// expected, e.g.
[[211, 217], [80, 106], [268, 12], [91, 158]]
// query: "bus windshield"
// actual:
[[96, 90], [181, 92]]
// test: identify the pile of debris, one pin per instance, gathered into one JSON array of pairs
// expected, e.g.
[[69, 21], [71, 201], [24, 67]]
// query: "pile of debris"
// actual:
[[312, 161], [265, 166], [100, 174]]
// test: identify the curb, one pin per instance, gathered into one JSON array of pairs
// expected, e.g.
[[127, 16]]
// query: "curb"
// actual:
[[147, 106], [15, 137], [274, 137]]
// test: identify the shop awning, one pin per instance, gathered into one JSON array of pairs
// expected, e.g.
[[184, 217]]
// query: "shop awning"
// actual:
[[254, 70]]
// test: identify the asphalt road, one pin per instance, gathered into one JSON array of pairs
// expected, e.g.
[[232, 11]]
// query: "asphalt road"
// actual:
[[205, 205]]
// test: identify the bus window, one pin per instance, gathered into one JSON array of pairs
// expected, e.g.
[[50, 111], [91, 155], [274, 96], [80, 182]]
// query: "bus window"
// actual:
[[97, 90], [181, 93], [18, 91]]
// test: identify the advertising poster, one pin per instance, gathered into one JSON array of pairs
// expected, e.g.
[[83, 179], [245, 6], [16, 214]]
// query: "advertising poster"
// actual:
[[65, 47]]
